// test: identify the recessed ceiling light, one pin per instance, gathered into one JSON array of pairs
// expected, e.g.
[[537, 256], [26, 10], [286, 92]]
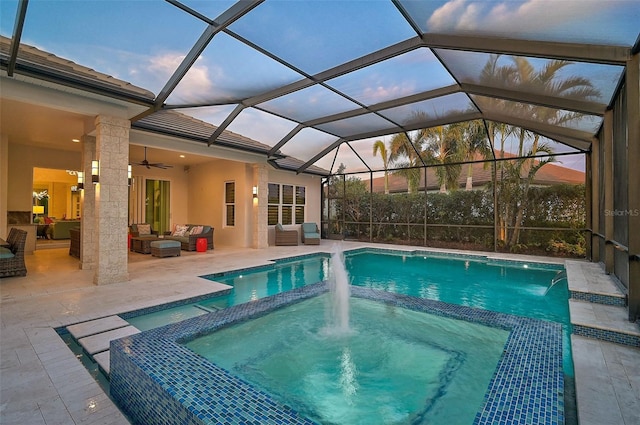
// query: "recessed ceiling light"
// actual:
[[181, 156], [75, 140]]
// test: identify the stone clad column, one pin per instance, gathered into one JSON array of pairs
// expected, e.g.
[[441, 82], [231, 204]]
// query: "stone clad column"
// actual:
[[88, 253], [260, 229], [111, 198]]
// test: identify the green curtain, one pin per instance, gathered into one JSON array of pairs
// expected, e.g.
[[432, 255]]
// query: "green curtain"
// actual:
[[157, 204]]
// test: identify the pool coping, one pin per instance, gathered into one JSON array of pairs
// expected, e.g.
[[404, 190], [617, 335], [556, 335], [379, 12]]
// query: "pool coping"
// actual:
[[148, 369]]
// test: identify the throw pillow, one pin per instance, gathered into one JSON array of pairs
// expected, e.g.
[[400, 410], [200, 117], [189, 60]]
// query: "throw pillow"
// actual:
[[180, 230], [196, 230], [144, 229]]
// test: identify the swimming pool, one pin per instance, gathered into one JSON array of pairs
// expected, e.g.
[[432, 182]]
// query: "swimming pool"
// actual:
[[519, 288], [512, 287], [505, 286], [154, 375]]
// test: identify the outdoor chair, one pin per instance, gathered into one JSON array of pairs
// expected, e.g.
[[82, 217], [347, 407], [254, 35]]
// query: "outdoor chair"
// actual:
[[310, 234], [12, 258], [286, 237]]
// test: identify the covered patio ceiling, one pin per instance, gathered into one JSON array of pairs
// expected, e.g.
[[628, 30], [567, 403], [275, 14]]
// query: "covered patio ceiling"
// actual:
[[309, 77]]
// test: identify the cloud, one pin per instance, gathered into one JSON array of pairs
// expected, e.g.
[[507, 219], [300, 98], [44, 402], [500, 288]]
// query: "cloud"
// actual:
[[507, 16], [196, 82]]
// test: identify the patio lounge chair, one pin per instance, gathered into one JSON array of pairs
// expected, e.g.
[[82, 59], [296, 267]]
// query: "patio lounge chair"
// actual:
[[285, 237], [310, 234], [12, 258]]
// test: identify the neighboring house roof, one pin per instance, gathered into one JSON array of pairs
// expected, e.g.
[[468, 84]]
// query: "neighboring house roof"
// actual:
[[169, 122], [547, 175]]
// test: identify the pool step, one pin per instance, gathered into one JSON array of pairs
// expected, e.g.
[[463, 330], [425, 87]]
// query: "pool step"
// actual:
[[604, 322], [104, 361], [100, 342], [94, 336], [92, 327]]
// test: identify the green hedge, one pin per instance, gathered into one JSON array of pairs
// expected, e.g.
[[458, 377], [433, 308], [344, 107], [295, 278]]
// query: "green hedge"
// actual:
[[400, 218]]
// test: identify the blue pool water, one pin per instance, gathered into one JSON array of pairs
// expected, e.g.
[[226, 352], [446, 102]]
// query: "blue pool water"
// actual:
[[503, 286], [393, 366]]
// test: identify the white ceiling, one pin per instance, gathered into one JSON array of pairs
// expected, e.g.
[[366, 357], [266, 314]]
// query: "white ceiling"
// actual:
[[39, 126]]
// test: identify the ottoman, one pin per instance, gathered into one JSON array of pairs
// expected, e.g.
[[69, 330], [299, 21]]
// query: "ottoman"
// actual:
[[162, 248]]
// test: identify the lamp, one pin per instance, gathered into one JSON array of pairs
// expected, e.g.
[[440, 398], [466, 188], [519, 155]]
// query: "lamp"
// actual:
[[38, 209], [95, 171], [129, 174], [80, 180], [255, 191]]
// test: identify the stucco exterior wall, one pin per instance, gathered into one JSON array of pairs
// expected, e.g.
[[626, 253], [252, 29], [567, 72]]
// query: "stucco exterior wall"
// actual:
[[206, 200], [313, 205]]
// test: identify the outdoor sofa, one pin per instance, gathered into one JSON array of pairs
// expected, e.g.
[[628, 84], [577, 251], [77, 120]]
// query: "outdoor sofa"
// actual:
[[189, 234]]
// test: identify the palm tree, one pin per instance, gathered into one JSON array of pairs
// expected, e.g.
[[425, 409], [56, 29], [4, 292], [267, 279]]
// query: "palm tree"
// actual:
[[475, 143], [405, 153], [522, 76], [379, 146], [443, 146]]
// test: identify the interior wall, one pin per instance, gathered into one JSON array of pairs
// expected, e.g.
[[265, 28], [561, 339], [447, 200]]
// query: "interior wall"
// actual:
[[21, 161]]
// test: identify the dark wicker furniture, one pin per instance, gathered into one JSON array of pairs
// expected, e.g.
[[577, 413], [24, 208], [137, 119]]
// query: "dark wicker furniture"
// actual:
[[142, 244], [188, 242], [285, 237], [74, 245], [12, 261], [310, 234]]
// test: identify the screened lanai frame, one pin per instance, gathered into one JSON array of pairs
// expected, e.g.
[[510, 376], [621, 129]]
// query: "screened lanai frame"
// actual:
[[287, 37]]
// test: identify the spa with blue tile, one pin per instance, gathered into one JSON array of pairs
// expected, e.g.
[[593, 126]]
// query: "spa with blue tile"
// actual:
[[156, 379]]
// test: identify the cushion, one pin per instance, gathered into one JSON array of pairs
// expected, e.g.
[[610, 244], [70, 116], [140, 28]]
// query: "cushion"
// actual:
[[206, 229], [180, 230], [6, 253], [309, 227], [144, 229], [165, 243], [196, 230], [279, 227]]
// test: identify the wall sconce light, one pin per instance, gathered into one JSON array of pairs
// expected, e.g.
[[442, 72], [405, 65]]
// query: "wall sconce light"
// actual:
[[80, 180], [95, 171], [255, 191], [129, 174]]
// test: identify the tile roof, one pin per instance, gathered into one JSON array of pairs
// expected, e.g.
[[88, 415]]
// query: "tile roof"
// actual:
[[547, 175], [32, 58]]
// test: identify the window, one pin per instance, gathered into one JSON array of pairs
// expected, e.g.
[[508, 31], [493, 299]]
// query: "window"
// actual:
[[285, 204], [230, 203]]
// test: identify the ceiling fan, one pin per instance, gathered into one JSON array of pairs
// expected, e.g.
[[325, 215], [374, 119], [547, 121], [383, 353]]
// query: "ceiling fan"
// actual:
[[148, 164]]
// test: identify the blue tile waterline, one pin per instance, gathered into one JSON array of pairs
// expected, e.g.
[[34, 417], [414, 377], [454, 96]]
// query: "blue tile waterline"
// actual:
[[153, 375]]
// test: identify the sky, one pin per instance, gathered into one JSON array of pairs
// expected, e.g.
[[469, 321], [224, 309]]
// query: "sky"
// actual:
[[143, 42]]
